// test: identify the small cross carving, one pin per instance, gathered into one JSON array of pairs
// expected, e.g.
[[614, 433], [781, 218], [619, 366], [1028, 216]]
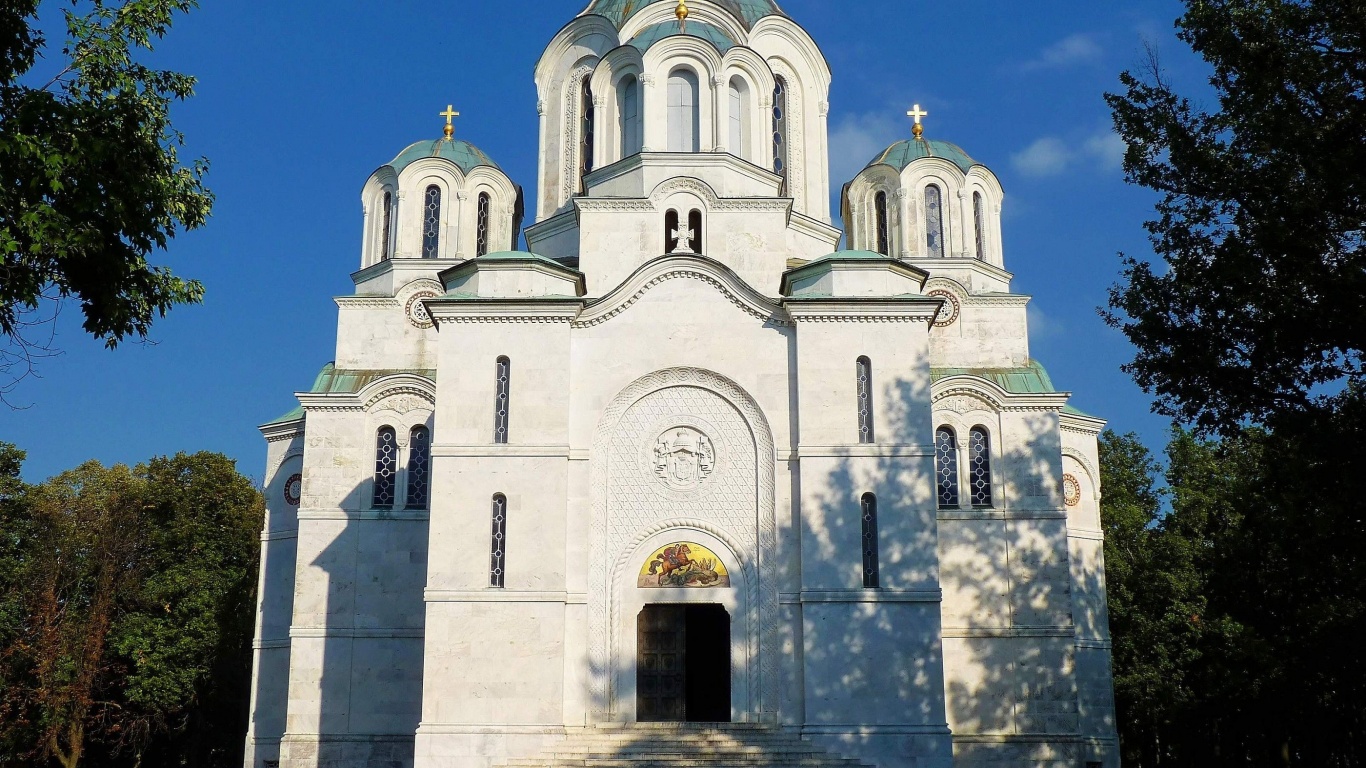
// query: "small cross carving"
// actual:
[[916, 114], [684, 237], [450, 114]]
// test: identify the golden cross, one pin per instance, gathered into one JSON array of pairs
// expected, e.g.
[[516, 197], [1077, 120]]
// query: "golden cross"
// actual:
[[917, 113], [450, 114]]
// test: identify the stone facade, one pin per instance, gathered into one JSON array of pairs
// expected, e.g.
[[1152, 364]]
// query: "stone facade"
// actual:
[[469, 513]]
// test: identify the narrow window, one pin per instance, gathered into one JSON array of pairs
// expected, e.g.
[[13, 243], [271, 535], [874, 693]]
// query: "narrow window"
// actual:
[[386, 468], [739, 117], [884, 245], [979, 218], [586, 136], [685, 127], [388, 228], [868, 507], [498, 565], [481, 244], [628, 96], [934, 221], [419, 467], [503, 372], [780, 131], [946, 467], [431, 223], [695, 230], [865, 400], [670, 231], [979, 467]]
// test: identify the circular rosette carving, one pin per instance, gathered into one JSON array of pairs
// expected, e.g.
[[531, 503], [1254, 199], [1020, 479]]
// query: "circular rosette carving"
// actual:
[[417, 314], [1071, 490], [294, 488], [684, 457], [948, 314]]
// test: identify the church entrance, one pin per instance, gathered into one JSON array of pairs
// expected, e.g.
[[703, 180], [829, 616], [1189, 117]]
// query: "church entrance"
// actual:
[[683, 664]]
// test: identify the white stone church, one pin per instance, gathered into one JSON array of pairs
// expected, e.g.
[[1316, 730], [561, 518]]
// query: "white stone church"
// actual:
[[685, 482]]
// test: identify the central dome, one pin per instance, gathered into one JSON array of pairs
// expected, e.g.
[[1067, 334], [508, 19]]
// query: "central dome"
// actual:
[[749, 12]]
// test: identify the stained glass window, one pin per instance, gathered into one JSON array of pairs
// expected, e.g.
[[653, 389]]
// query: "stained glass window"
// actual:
[[780, 153], [868, 506], [481, 244], [498, 564], [431, 223], [884, 245], [387, 231], [628, 95], [586, 136], [934, 221], [946, 467], [979, 217], [386, 468], [979, 467], [419, 468], [739, 117], [502, 401], [865, 400]]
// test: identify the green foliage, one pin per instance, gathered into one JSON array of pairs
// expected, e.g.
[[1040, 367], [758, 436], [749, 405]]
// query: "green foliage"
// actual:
[[90, 178], [135, 593], [1261, 223]]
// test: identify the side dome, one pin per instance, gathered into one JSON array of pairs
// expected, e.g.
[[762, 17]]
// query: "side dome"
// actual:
[[903, 153], [464, 154], [748, 12]]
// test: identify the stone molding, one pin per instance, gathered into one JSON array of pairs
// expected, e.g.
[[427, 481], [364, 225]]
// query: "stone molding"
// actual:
[[535, 311], [1059, 630], [997, 398], [1087, 465], [863, 596], [492, 595], [863, 311], [495, 451], [389, 515], [378, 633], [889, 451], [968, 515], [692, 267]]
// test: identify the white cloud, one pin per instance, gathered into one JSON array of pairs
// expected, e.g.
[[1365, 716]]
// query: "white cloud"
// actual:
[[1048, 156], [1077, 49], [1052, 156], [1043, 326], [855, 140]]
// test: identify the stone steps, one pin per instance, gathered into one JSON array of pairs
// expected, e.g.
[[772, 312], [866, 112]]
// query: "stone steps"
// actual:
[[656, 745]]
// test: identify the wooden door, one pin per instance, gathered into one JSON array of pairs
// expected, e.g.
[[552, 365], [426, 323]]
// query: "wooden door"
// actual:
[[661, 664]]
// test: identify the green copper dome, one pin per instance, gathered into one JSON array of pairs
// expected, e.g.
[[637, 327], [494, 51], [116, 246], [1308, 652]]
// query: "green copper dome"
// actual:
[[462, 153], [903, 153], [748, 12], [656, 32]]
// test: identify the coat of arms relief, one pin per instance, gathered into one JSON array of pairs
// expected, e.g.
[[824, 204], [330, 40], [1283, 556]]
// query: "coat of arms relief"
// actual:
[[684, 457]]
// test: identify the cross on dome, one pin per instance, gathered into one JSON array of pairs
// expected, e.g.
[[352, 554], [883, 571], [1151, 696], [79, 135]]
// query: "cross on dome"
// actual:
[[682, 13], [916, 113], [450, 114]]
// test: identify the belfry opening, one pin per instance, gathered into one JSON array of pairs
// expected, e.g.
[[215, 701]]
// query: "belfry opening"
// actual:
[[683, 664]]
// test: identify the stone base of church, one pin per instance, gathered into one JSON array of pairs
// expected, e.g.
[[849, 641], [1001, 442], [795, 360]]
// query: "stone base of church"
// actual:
[[1030, 751], [887, 746], [480, 746], [346, 751]]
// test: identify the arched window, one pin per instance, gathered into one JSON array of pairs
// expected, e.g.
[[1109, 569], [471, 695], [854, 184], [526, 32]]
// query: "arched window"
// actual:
[[386, 243], [431, 223], [481, 238], [685, 120], [946, 467], [865, 400], [503, 399], [868, 506], [695, 227], [739, 118], [979, 219], [628, 99], [670, 231], [419, 468], [586, 135], [386, 468], [934, 221], [979, 467], [884, 245], [498, 561], [780, 153]]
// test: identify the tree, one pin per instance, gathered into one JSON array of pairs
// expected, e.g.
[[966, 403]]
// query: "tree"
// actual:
[[137, 590], [90, 178], [1257, 308]]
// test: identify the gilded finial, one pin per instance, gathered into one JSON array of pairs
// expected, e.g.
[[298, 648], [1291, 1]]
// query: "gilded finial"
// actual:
[[450, 114], [682, 13], [918, 130]]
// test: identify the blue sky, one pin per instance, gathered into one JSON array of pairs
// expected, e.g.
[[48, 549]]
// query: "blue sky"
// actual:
[[298, 102]]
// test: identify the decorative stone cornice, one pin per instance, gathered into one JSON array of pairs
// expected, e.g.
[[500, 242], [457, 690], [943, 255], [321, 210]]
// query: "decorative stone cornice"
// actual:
[[996, 397], [284, 430], [691, 267], [1085, 425], [451, 309], [860, 310]]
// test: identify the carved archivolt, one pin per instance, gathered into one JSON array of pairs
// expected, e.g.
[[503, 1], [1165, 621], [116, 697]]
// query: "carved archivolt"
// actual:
[[630, 504]]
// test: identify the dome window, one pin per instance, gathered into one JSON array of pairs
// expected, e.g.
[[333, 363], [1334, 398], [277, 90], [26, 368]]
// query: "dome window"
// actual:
[[884, 245], [934, 222], [780, 131], [431, 223], [586, 136], [739, 117], [628, 98], [481, 242], [979, 219], [685, 124], [387, 230]]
